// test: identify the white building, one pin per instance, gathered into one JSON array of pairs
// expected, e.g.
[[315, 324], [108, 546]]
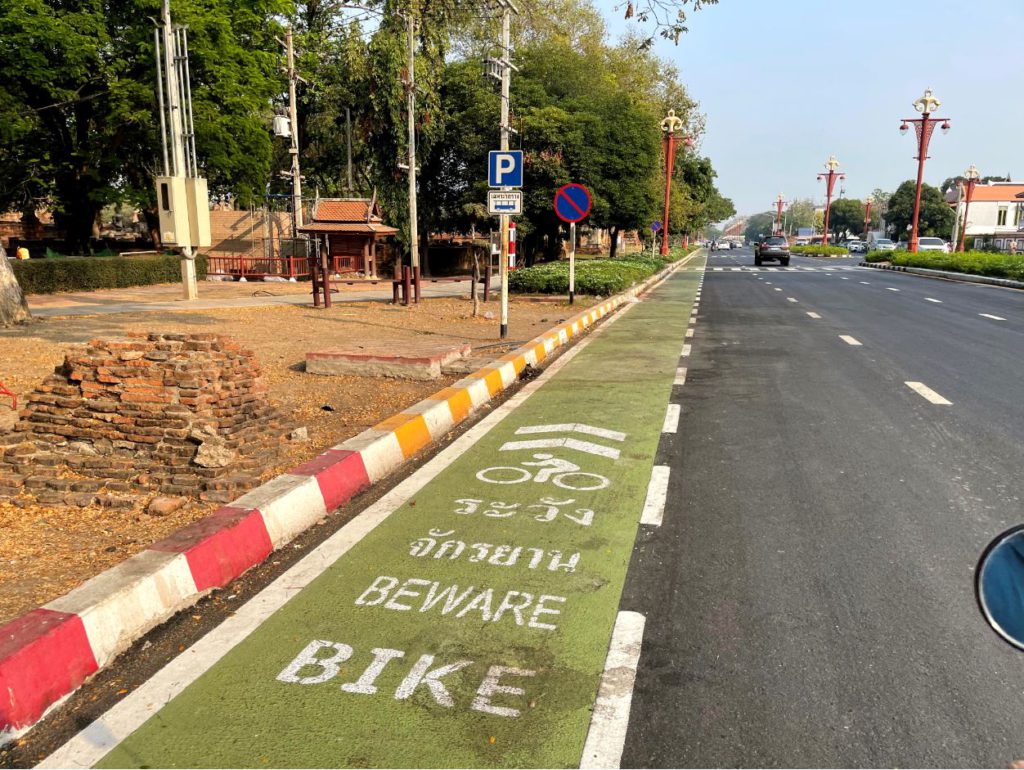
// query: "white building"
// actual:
[[995, 217]]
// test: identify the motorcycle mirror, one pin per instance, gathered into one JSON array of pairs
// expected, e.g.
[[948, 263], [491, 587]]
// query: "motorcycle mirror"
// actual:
[[999, 585]]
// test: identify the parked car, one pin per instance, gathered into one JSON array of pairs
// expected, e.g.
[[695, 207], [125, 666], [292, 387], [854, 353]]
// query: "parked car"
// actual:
[[932, 244], [901, 246], [803, 240], [882, 244], [776, 248], [855, 246]]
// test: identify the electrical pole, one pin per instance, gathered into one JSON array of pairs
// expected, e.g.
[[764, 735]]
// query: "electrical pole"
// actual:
[[414, 247], [293, 118], [506, 76]]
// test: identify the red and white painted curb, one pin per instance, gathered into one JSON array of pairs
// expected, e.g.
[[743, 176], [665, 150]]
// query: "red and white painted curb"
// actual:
[[46, 654]]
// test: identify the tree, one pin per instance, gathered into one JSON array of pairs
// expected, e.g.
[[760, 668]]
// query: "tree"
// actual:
[[936, 217], [799, 213], [759, 225], [78, 101], [846, 215], [13, 307]]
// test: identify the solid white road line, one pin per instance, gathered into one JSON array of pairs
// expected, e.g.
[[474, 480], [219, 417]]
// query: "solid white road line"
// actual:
[[890, 288], [657, 495], [91, 744], [689, 333], [609, 721], [930, 299], [927, 393], [849, 340], [792, 299], [680, 376], [993, 317], [671, 424], [814, 315]]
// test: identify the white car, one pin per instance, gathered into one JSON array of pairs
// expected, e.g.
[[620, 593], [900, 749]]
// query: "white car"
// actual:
[[932, 244], [883, 244]]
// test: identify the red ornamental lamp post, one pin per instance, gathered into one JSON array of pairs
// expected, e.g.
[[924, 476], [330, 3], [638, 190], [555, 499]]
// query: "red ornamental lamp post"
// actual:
[[780, 201], [972, 175], [923, 126], [670, 125], [830, 178], [867, 215]]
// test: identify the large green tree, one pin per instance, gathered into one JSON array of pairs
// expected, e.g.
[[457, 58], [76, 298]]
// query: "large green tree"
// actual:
[[759, 225], [78, 101], [936, 217], [846, 215]]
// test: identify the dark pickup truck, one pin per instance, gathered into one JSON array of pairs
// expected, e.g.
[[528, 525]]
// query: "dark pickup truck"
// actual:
[[775, 247]]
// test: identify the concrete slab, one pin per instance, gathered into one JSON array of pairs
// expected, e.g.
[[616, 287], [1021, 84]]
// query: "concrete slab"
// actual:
[[411, 360]]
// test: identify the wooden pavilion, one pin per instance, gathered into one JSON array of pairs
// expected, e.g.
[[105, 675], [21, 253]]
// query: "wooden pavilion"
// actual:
[[349, 228]]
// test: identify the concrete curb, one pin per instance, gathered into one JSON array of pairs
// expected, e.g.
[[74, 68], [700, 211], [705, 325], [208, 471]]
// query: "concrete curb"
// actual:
[[948, 275], [46, 654]]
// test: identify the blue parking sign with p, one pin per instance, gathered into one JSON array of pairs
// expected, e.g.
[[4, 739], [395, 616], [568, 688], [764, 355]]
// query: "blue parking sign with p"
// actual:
[[505, 168]]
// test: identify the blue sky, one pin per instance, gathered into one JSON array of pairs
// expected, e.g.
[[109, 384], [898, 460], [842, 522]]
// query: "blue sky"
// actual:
[[786, 83]]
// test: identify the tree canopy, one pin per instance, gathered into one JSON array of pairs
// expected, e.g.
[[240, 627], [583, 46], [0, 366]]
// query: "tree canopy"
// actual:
[[936, 217]]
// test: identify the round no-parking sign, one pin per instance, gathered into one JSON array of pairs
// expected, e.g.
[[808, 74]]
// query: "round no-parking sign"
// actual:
[[572, 202]]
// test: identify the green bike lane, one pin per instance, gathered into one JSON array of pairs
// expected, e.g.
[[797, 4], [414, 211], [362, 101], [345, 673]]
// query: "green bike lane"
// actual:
[[470, 627]]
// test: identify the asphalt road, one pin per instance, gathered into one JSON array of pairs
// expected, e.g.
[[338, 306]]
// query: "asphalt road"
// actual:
[[809, 595]]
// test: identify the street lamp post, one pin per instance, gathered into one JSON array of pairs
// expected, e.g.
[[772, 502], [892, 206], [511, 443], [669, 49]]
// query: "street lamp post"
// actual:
[[972, 174], [924, 126], [830, 178], [670, 125], [867, 215], [780, 201]]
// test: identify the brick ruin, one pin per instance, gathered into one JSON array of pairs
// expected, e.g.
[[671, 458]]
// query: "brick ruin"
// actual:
[[179, 414]]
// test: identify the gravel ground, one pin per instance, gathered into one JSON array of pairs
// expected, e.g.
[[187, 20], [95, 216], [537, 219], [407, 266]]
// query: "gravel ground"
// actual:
[[46, 550]]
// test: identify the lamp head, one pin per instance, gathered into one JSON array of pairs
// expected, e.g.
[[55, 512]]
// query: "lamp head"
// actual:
[[972, 172], [945, 126], [904, 127], [928, 102]]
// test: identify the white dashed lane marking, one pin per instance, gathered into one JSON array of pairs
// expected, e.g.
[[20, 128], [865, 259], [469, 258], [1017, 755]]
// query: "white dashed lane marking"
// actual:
[[931, 299], [849, 340], [813, 315], [609, 721], [890, 288], [866, 283], [993, 317], [671, 424], [792, 299], [657, 494], [927, 393], [680, 376]]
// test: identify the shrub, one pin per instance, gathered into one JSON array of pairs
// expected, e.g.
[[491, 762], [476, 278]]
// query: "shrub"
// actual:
[[48, 276], [972, 262], [878, 256], [818, 250], [593, 276]]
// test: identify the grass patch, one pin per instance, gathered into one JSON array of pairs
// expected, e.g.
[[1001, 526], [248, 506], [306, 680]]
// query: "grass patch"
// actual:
[[599, 277], [49, 276]]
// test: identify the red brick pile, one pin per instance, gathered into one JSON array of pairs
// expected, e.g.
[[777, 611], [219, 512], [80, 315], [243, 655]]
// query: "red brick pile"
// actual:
[[182, 414]]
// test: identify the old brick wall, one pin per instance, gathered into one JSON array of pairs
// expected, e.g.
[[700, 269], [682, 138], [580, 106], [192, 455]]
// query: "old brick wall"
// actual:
[[175, 413]]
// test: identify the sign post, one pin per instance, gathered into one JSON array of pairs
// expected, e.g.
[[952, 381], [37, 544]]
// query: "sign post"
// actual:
[[572, 204], [505, 170]]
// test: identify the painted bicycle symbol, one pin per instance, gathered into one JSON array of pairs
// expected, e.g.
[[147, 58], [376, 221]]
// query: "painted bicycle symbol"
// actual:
[[559, 472]]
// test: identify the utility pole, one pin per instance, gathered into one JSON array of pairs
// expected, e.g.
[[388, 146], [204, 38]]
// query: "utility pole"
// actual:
[[506, 76], [293, 118], [182, 138], [414, 248]]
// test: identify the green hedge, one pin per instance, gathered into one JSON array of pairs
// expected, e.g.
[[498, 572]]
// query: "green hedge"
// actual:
[[878, 256], [593, 276], [973, 262], [819, 250], [48, 276]]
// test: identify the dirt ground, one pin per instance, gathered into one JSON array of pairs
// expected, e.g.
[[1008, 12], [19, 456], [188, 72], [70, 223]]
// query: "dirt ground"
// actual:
[[45, 551]]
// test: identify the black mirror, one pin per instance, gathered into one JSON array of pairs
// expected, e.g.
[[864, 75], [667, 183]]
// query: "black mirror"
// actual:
[[999, 585]]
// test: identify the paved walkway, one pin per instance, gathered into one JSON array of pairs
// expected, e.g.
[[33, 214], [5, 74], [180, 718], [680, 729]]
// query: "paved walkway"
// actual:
[[463, 620], [213, 295]]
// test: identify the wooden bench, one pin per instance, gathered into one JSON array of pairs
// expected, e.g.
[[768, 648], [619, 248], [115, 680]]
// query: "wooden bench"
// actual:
[[401, 283]]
